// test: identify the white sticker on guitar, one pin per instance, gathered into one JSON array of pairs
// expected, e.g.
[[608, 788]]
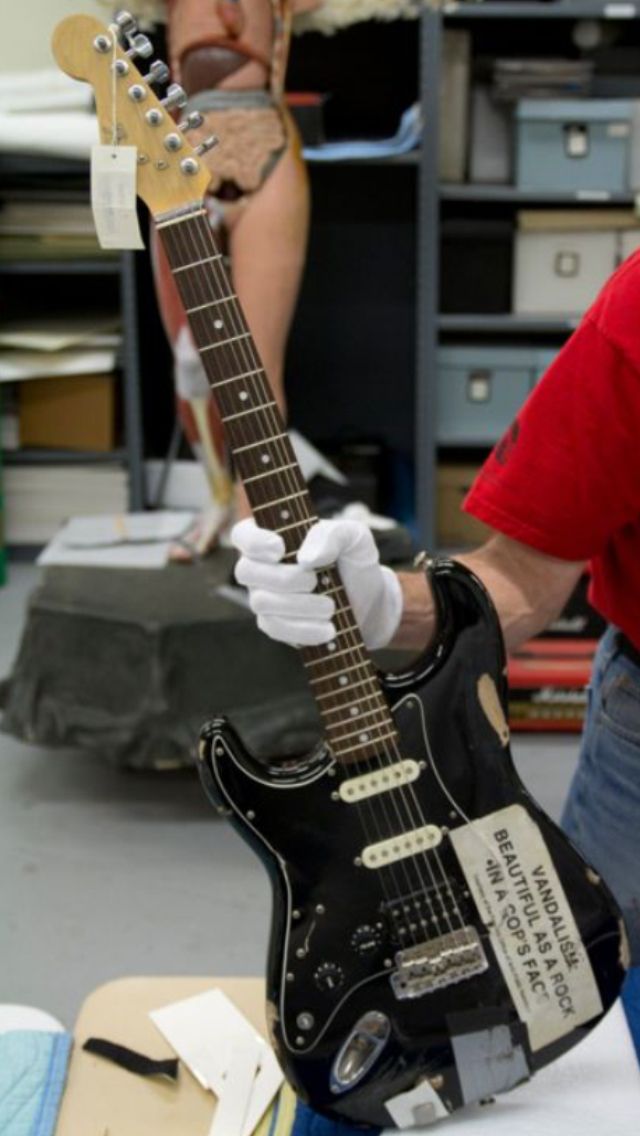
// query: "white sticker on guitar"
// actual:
[[531, 926]]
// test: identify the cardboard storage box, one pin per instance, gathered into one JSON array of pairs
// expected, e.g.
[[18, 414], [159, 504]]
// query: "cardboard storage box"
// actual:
[[481, 389], [76, 412], [455, 529], [563, 257], [574, 144]]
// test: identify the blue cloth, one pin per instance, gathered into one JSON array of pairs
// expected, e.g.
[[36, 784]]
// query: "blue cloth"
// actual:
[[631, 1003], [406, 138], [602, 812], [310, 1123], [33, 1070]]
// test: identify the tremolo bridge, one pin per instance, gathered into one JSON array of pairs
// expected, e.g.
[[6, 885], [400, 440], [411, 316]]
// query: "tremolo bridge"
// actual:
[[439, 962]]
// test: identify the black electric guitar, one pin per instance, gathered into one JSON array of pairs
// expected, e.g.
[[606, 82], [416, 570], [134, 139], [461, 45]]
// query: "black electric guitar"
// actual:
[[436, 939]]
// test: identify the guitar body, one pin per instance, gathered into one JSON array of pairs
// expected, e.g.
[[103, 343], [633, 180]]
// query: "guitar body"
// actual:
[[336, 932]]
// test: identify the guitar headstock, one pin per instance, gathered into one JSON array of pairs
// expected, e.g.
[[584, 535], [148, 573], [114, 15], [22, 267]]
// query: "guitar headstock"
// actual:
[[171, 172]]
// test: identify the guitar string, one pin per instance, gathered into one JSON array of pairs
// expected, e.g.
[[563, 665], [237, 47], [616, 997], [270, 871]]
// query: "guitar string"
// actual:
[[194, 254], [371, 696], [369, 699], [221, 278]]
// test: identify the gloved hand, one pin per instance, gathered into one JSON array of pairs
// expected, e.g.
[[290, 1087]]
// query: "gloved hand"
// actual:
[[281, 595]]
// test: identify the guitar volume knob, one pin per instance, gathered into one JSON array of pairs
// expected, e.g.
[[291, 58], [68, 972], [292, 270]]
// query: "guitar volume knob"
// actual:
[[329, 976], [366, 939]]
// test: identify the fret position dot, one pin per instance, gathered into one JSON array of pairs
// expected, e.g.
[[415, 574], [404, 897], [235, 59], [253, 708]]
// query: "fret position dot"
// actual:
[[284, 514], [243, 396], [331, 646], [355, 710], [325, 579], [218, 324], [343, 680], [265, 459], [364, 737]]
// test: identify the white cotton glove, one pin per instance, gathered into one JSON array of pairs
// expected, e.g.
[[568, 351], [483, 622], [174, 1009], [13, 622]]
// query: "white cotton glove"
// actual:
[[281, 595]]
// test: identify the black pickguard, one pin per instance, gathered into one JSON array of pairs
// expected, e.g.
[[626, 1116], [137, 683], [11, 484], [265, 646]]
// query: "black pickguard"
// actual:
[[337, 925]]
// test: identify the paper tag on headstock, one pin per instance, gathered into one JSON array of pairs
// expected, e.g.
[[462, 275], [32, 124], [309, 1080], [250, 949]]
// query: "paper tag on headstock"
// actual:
[[113, 196]]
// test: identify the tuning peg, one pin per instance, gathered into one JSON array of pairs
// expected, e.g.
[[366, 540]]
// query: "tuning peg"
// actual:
[[158, 73], [176, 97], [192, 121], [125, 22], [139, 45], [207, 145]]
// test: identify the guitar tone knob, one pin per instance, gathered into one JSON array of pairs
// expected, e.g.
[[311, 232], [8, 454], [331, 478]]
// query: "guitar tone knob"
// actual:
[[366, 939], [329, 976]]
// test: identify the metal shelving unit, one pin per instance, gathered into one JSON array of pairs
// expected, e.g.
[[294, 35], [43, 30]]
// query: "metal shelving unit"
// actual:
[[509, 324], [432, 194], [74, 176]]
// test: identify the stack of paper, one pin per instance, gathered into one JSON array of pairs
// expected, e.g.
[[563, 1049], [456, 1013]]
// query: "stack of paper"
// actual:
[[40, 498], [46, 227], [226, 1055], [124, 540]]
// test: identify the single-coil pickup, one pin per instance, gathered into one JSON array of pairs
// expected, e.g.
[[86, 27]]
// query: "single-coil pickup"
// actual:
[[370, 784], [399, 847]]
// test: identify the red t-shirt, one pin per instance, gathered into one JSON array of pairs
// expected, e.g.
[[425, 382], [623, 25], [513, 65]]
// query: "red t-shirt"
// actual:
[[565, 478]]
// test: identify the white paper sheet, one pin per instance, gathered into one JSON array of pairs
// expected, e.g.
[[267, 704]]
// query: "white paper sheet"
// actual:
[[15, 366], [63, 135], [593, 1090], [116, 541], [204, 1031]]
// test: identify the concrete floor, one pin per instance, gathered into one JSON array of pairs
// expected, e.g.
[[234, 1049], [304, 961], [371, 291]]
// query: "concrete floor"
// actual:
[[105, 873]]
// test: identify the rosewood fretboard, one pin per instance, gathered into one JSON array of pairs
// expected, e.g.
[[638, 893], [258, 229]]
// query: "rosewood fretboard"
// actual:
[[342, 677]]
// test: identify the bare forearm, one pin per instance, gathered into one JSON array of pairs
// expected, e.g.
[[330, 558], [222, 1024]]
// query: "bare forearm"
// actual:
[[527, 587]]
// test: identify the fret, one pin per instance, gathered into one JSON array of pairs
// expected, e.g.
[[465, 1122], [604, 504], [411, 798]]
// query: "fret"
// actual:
[[210, 304], [347, 690], [334, 655], [365, 735], [364, 745], [236, 379], [343, 630], [383, 709], [253, 410], [270, 472], [197, 263], [344, 671], [224, 342], [264, 442], [180, 220], [296, 525], [281, 501]]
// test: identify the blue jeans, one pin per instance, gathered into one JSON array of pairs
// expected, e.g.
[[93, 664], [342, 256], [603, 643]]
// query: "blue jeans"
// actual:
[[602, 811]]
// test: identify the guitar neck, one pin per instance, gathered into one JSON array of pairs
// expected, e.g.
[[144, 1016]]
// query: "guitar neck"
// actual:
[[342, 677]]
